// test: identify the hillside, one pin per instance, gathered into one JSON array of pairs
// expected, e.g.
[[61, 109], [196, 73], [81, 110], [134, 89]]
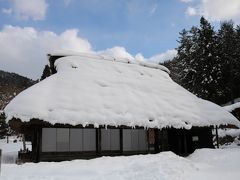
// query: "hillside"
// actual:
[[10, 85]]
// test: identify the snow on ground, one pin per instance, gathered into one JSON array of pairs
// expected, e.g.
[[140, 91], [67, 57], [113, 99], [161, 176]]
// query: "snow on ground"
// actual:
[[10, 150], [220, 164], [228, 138], [234, 144], [214, 164]]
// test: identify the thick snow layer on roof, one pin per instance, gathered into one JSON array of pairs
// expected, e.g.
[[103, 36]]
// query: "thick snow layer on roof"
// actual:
[[232, 107], [102, 56], [94, 91], [232, 102]]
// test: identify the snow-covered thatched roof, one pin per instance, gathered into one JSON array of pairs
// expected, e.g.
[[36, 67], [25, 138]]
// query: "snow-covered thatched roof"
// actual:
[[107, 91], [232, 107]]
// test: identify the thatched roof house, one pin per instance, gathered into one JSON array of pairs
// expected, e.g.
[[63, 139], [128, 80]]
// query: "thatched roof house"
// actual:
[[100, 92]]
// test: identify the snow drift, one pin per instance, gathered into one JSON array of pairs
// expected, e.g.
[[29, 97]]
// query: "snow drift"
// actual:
[[214, 164]]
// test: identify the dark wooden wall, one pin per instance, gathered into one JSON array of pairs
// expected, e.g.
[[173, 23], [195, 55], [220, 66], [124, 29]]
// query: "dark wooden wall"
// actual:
[[179, 141]]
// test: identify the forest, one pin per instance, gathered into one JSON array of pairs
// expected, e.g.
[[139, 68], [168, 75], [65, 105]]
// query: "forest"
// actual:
[[208, 61]]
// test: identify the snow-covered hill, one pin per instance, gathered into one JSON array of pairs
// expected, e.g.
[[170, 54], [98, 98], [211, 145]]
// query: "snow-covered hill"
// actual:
[[12, 84]]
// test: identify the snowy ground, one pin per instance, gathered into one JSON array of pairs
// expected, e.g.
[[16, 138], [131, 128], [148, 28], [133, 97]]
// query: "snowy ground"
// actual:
[[10, 150], [213, 164], [234, 133], [219, 164]]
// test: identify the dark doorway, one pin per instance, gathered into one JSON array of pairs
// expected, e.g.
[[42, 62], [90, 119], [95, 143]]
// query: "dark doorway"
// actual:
[[184, 142]]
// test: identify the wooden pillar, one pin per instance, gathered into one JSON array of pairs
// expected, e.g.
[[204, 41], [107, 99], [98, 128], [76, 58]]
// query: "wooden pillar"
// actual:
[[0, 160], [185, 142], [121, 140], [98, 141], [24, 142], [179, 141], [216, 128], [38, 144], [157, 141], [164, 140]]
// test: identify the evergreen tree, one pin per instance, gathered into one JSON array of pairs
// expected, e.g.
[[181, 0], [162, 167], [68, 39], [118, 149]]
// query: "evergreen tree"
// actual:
[[228, 56], [184, 58], [46, 72], [236, 65], [198, 61], [3, 126], [208, 62], [208, 71], [187, 60]]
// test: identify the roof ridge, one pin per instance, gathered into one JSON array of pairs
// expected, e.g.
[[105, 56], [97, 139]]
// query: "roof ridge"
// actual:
[[109, 58]]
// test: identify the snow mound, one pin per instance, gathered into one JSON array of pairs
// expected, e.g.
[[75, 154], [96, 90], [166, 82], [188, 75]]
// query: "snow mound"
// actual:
[[86, 90], [228, 158], [163, 166], [214, 164]]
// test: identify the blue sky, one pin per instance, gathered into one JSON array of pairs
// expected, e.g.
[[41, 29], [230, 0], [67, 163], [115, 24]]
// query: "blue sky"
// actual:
[[146, 26], [149, 27]]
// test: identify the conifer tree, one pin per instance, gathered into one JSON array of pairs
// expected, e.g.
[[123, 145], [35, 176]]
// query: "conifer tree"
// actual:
[[208, 70], [236, 67], [189, 63], [3, 126], [183, 59], [227, 54], [198, 61], [208, 62]]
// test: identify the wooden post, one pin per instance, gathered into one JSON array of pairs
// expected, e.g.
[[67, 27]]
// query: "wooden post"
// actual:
[[185, 142], [217, 137], [38, 145], [98, 141], [0, 160], [121, 140], [24, 143]]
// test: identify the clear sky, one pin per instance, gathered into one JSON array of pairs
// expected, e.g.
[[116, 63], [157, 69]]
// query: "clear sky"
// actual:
[[147, 28]]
